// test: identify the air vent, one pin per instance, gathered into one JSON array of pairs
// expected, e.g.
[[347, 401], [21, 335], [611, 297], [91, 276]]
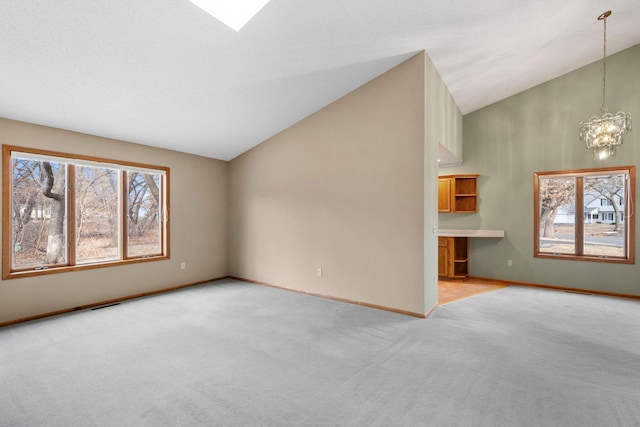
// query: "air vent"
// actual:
[[578, 292], [105, 306]]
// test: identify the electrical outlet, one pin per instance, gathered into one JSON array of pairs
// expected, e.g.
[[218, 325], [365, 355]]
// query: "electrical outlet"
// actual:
[[183, 265], [319, 272], [509, 263]]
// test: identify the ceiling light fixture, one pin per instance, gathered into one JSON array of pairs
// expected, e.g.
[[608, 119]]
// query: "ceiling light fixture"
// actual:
[[603, 134], [233, 13]]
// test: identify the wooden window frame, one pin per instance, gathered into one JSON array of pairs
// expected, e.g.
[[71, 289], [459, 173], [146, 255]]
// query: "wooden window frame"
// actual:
[[629, 214], [124, 166]]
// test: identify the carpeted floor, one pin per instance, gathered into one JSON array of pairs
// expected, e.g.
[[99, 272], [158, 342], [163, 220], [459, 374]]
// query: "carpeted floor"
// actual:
[[237, 354]]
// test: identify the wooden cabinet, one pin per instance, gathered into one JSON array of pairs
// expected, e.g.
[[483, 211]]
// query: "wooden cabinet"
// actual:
[[443, 256], [453, 257], [458, 193]]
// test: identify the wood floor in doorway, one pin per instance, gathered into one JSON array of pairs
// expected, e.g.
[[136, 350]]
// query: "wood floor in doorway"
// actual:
[[454, 290]]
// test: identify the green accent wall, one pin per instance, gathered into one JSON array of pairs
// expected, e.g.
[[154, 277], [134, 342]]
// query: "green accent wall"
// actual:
[[535, 131]]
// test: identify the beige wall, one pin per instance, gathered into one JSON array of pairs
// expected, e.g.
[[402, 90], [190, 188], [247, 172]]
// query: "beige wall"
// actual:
[[198, 227], [534, 131], [342, 190], [351, 190]]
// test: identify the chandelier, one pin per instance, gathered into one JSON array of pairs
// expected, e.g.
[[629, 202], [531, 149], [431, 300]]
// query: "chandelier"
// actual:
[[603, 134]]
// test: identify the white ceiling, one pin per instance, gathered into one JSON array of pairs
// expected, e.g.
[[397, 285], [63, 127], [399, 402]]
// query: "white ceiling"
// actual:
[[165, 73]]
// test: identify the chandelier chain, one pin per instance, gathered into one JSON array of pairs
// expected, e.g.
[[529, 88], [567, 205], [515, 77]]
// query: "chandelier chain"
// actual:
[[604, 66]]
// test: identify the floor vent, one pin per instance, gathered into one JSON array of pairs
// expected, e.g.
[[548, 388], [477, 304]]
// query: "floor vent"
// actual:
[[105, 306], [579, 292]]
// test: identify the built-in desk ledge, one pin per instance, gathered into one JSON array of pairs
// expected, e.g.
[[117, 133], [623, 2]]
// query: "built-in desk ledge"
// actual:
[[496, 234]]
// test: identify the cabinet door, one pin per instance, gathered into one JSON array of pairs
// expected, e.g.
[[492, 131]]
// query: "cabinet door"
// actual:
[[443, 261], [444, 195]]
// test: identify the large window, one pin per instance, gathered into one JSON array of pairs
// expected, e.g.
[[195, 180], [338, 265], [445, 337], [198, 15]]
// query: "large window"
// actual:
[[63, 212], [585, 214]]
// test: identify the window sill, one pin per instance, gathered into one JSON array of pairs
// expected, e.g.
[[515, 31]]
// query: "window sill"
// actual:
[[18, 274]]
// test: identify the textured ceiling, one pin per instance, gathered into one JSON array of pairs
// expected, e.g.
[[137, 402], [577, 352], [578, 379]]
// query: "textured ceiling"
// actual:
[[165, 73]]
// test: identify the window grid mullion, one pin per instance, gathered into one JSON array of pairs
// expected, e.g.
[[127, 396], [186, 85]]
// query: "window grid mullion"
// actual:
[[579, 216], [124, 235], [72, 239]]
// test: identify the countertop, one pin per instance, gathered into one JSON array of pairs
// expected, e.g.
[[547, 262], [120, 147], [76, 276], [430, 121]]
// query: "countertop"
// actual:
[[496, 234]]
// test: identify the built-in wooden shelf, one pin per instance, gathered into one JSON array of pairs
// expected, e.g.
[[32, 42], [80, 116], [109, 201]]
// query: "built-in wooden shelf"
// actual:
[[453, 250], [453, 257]]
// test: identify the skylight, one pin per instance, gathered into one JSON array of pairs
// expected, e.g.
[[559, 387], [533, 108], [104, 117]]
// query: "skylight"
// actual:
[[234, 13]]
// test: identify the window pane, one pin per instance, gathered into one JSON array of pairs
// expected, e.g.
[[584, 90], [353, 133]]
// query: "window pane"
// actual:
[[604, 233], [39, 214], [97, 214], [557, 215], [144, 214]]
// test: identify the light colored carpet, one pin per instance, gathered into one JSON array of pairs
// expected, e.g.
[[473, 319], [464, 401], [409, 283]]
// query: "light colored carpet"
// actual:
[[232, 353]]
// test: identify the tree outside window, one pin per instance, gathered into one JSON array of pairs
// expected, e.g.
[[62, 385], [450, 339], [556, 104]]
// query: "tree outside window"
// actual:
[[69, 213], [581, 214], [38, 213]]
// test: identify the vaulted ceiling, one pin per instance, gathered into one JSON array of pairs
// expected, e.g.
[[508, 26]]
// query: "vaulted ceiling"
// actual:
[[164, 73]]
